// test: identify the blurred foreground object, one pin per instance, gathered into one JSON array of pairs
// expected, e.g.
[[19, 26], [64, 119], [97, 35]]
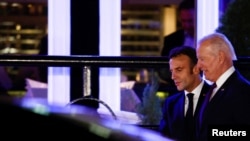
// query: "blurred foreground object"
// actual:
[[34, 118]]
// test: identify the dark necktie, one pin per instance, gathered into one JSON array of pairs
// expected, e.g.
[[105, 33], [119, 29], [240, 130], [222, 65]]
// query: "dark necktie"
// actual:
[[206, 101], [189, 119], [189, 113]]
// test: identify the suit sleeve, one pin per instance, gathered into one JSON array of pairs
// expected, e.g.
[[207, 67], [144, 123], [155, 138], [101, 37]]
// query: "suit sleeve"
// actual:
[[164, 126]]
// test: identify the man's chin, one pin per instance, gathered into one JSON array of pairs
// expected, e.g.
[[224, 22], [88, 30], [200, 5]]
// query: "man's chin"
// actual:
[[180, 89]]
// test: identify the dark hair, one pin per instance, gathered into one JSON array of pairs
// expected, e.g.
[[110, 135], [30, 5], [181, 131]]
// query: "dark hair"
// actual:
[[184, 50], [186, 4]]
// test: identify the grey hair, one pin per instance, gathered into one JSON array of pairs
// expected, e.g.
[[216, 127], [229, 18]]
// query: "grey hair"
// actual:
[[221, 42]]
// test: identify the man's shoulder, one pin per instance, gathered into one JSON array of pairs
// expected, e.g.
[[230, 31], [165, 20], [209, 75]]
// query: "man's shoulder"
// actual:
[[237, 78], [175, 96]]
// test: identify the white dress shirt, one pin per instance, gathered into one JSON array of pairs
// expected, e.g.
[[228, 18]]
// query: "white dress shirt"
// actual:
[[196, 92]]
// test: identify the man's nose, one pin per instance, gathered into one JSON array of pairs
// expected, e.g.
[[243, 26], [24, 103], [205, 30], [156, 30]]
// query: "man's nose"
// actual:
[[173, 76]]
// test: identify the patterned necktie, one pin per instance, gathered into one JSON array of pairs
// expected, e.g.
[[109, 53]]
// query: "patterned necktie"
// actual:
[[206, 101]]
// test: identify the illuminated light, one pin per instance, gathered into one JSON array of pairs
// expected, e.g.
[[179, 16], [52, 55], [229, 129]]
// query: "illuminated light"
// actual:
[[59, 44], [30, 5], [3, 3], [169, 20], [110, 45], [100, 131], [207, 17], [15, 4], [40, 109], [35, 105], [162, 95], [18, 27]]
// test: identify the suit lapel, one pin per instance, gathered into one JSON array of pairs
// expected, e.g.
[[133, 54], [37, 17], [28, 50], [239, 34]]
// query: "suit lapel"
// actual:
[[180, 107], [221, 92]]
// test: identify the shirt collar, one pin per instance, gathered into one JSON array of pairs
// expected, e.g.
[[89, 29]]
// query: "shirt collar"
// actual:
[[224, 77], [196, 91]]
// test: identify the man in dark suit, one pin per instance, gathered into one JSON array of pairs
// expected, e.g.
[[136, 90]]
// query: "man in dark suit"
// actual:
[[187, 78], [228, 106], [185, 35]]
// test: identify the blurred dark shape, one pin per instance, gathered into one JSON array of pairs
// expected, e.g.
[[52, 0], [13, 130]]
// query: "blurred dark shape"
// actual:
[[43, 46], [139, 88], [32, 119], [43, 50], [129, 100], [5, 81]]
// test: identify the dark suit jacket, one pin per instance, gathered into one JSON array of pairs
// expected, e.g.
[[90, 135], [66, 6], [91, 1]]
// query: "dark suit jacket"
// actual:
[[229, 106], [173, 40], [172, 123]]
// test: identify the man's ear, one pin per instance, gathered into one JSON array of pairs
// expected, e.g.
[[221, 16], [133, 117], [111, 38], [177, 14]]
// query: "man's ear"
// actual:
[[196, 69], [221, 56]]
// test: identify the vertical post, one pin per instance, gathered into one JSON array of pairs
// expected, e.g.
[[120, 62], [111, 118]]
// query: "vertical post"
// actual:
[[110, 45], [59, 44], [207, 17]]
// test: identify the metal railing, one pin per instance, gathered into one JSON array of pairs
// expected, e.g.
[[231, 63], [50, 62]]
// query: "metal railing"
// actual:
[[243, 64], [99, 61]]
